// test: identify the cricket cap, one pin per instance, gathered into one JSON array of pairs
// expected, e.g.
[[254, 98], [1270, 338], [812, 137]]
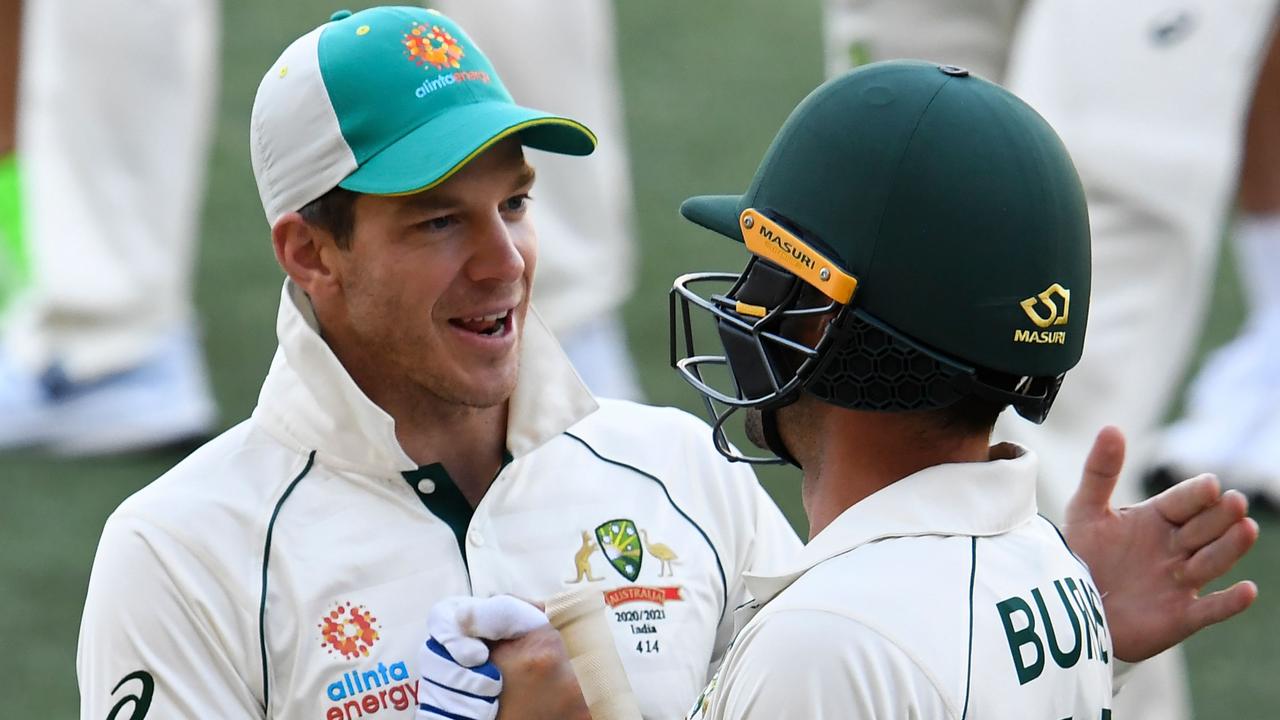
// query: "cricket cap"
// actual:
[[385, 101]]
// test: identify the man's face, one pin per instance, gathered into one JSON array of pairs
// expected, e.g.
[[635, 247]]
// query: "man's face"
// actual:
[[806, 330], [435, 285]]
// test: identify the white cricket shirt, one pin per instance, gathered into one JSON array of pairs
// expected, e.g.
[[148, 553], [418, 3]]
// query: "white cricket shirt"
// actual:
[[285, 569], [943, 595]]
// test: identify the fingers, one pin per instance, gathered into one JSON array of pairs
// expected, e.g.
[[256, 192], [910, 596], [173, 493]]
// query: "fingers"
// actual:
[[1209, 524], [502, 617], [1101, 472], [1213, 560], [1183, 501], [439, 668], [446, 624], [1222, 605], [461, 624]]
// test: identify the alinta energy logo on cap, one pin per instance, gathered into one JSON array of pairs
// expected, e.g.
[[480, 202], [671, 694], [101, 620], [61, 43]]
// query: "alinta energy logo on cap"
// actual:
[[431, 47]]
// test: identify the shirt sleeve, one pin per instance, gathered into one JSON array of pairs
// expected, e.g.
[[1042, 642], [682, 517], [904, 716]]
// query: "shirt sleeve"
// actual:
[[1121, 671], [161, 637], [819, 666]]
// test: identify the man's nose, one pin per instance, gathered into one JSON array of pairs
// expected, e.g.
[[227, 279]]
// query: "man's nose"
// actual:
[[497, 253]]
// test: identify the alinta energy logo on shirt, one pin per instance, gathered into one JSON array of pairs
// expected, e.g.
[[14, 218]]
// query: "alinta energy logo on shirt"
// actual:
[[351, 631], [433, 47]]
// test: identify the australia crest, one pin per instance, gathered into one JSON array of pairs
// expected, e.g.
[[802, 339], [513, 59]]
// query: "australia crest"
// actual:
[[620, 543]]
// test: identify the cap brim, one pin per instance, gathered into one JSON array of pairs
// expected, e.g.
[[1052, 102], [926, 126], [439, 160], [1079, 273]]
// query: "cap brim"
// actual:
[[715, 212], [441, 146]]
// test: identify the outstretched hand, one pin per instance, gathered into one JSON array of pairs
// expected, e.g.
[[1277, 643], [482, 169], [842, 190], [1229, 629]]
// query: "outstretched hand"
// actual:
[[1151, 560]]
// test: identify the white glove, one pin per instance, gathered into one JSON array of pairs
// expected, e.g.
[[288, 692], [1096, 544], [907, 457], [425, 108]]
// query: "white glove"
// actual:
[[458, 682]]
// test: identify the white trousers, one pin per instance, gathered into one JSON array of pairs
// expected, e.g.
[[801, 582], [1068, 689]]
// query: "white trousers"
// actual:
[[974, 34], [114, 124], [1152, 104], [1150, 97]]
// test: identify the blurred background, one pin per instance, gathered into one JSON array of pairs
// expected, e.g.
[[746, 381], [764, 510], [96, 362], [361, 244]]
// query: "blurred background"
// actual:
[[704, 85]]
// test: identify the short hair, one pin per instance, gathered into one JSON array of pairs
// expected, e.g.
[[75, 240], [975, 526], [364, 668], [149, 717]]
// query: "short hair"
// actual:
[[335, 213], [969, 415]]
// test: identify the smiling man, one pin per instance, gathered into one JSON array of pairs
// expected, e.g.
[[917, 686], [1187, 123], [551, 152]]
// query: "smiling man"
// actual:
[[420, 433], [423, 300]]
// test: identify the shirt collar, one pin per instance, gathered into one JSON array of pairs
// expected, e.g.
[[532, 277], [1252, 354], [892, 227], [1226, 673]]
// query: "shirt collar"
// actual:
[[975, 499], [309, 401]]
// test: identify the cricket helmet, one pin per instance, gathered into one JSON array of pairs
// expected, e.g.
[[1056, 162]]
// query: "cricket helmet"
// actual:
[[930, 229]]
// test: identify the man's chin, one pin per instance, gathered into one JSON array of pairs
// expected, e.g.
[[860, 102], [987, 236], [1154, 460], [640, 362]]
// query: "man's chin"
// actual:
[[472, 386], [753, 423], [487, 392]]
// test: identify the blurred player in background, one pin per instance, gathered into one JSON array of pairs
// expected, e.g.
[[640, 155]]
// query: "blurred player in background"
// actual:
[[562, 55], [12, 257], [101, 353], [1151, 99], [1232, 421]]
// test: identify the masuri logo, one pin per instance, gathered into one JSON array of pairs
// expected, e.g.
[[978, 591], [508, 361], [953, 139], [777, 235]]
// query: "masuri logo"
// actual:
[[1053, 315], [349, 630]]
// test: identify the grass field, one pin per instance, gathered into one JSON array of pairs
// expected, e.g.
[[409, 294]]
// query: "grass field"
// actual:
[[706, 85]]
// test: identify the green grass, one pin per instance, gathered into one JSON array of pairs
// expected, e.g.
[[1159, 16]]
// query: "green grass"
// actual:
[[706, 84]]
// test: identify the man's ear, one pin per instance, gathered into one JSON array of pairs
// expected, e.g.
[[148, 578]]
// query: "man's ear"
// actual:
[[307, 254]]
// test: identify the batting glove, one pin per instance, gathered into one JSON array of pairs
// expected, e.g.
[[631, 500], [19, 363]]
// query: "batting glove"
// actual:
[[458, 681]]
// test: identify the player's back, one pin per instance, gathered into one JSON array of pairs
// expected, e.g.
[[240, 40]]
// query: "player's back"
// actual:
[[1040, 639], [943, 595], [1004, 627]]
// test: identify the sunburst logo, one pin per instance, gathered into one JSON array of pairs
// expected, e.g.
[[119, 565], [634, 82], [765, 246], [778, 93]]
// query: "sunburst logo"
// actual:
[[349, 630], [433, 45]]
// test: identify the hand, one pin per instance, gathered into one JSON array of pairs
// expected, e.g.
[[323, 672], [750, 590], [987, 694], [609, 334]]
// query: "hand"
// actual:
[[451, 690], [540, 683], [1150, 560], [457, 680], [462, 623]]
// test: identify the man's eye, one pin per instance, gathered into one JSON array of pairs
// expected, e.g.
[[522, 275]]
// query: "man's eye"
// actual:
[[440, 223], [516, 203]]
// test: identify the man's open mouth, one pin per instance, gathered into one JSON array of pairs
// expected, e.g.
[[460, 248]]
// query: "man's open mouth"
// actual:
[[485, 324]]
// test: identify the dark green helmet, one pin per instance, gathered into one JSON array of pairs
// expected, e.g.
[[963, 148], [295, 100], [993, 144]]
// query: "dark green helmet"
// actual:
[[939, 222]]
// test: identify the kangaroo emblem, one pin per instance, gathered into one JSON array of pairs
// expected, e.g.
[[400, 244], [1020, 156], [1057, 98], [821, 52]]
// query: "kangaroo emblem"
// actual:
[[582, 559]]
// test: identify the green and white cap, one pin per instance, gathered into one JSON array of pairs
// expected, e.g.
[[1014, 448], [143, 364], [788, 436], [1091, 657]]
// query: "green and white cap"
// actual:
[[386, 101]]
